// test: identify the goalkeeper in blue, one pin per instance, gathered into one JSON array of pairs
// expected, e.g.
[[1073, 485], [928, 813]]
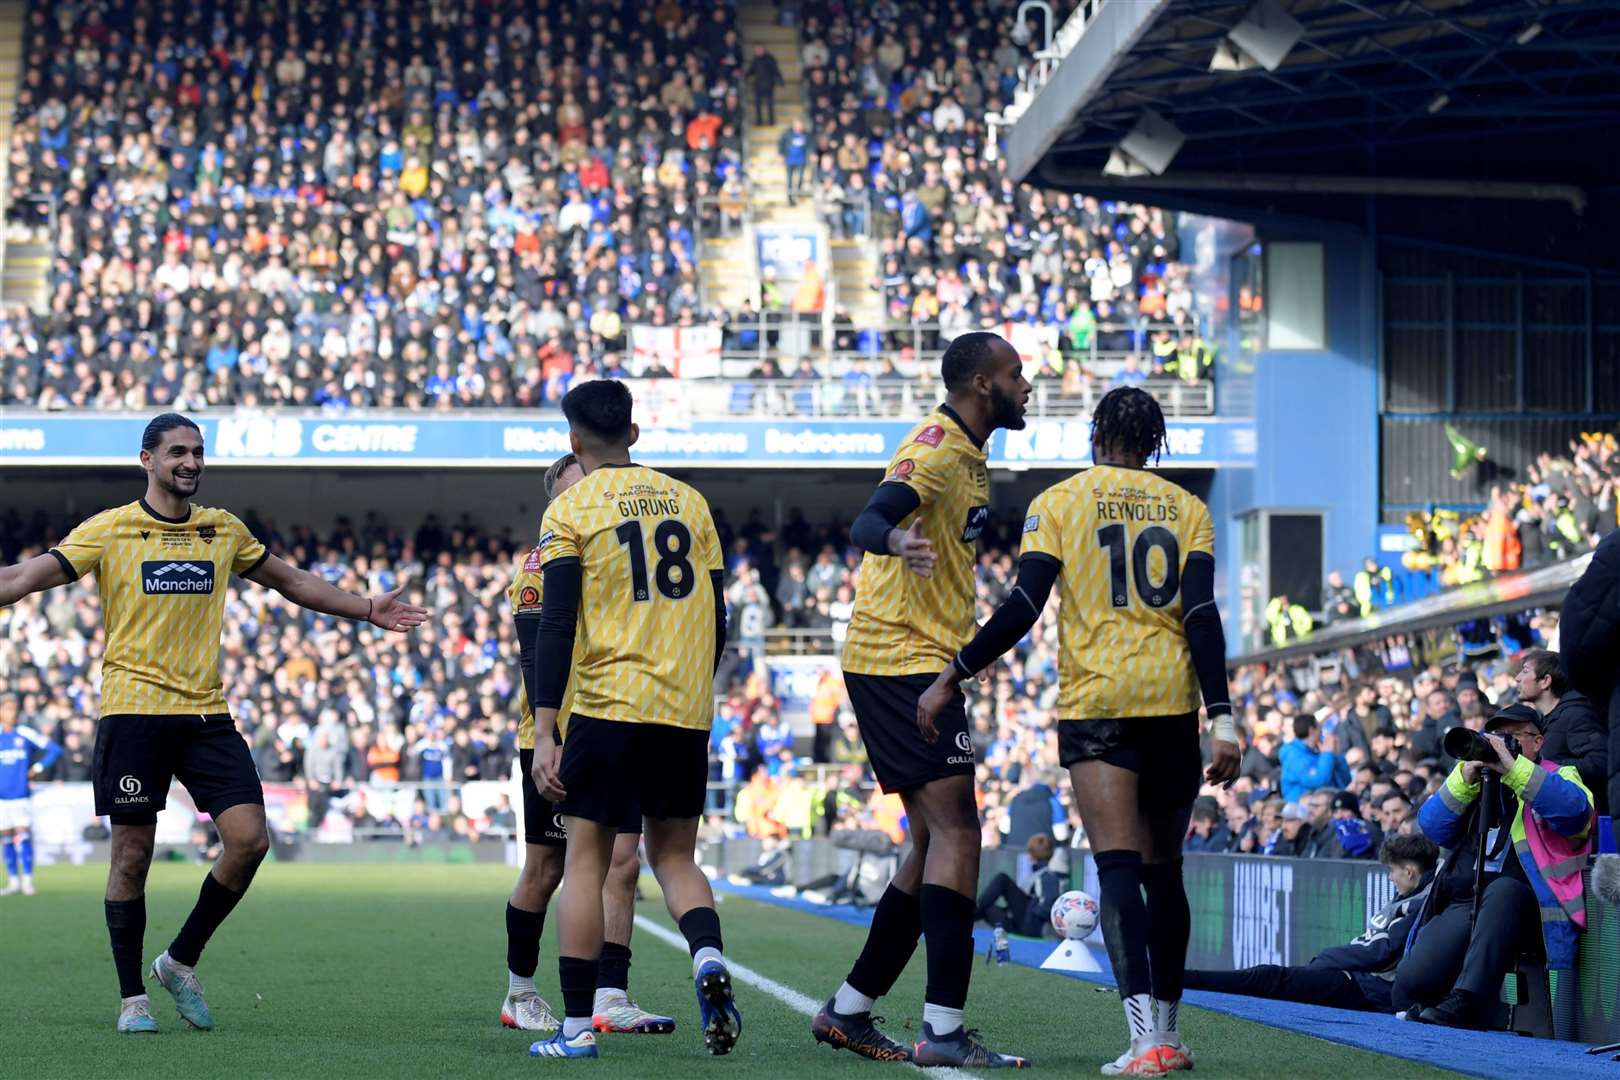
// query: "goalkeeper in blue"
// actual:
[[18, 745]]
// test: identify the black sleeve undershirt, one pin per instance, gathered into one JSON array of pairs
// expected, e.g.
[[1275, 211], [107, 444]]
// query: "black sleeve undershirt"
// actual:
[[528, 630], [1036, 575], [554, 641], [1206, 641], [885, 510], [717, 578]]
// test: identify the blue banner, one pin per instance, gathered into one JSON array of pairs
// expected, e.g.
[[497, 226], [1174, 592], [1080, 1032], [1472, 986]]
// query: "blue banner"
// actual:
[[502, 440]]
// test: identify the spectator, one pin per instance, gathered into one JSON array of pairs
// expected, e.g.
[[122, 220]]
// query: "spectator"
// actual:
[[1210, 834], [1311, 761], [795, 148], [1575, 734], [1023, 909], [765, 75]]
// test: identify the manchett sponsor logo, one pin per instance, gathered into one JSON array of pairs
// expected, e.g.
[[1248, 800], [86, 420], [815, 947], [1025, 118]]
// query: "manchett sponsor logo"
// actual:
[[166, 578]]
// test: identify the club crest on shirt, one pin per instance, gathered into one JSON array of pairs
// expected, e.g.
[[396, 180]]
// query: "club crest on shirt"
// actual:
[[932, 435], [206, 533]]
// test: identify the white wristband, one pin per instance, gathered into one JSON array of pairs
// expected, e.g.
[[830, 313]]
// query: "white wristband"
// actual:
[[1223, 729]]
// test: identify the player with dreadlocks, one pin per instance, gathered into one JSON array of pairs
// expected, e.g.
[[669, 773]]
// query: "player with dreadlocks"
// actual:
[[1141, 643]]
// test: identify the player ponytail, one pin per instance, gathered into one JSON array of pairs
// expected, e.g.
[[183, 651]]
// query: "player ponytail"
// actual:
[[1128, 421], [165, 422]]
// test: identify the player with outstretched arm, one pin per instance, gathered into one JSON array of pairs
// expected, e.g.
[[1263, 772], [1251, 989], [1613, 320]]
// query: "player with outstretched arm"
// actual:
[[161, 564]]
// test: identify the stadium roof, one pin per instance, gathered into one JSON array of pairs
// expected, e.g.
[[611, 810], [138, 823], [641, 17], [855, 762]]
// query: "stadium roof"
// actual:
[[1434, 114]]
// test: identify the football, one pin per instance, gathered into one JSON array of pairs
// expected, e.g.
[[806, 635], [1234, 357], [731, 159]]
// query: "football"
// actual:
[[1074, 915]]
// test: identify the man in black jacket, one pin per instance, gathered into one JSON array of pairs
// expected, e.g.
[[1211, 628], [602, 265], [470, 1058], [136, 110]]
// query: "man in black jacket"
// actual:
[[1576, 734], [1353, 976], [766, 76], [1589, 644], [1023, 911]]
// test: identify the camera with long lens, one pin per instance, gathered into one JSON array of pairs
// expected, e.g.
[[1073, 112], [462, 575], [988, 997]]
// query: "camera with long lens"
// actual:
[[1465, 744]]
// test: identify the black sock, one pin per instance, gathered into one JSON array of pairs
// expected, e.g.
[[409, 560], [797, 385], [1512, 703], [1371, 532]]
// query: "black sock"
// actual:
[[613, 970], [1124, 919], [214, 903], [578, 978], [896, 926], [1169, 927], [523, 929], [701, 928], [947, 922], [126, 926]]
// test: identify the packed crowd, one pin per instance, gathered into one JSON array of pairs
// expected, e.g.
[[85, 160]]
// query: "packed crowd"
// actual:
[[372, 206], [1564, 506], [895, 150], [359, 205]]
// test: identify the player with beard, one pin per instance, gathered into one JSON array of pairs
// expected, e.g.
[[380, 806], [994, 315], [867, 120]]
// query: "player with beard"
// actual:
[[914, 610], [160, 565], [1140, 644]]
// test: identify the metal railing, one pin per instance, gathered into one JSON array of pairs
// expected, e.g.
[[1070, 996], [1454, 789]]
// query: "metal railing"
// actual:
[[851, 396]]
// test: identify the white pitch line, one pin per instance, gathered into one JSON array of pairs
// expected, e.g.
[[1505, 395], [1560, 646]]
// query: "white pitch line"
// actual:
[[799, 1003]]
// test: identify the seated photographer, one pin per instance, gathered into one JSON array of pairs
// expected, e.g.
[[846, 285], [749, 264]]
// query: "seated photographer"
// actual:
[[1532, 899], [1353, 976], [1024, 910]]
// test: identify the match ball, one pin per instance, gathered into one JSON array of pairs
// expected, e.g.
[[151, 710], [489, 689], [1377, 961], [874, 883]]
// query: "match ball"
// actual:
[[1074, 915]]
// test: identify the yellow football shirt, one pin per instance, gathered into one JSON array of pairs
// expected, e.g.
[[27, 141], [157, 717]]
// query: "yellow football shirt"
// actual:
[[1122, 537], [162, 588], [904, 624], [524, 596], [644, 648]]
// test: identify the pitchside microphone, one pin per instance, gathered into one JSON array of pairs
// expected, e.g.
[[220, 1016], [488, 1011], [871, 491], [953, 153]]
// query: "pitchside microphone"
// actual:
[[1606, 878]]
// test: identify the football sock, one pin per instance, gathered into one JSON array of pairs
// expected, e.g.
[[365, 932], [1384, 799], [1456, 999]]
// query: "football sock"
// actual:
[[25, 855], [1139, 1017], [1167, 1016], [703, 956], [575, 1026], [890, 943], [613, 969], [126, 926], [701, 929], [11, 859], [947, 921], [578, 978], [214, 903], [1125, 932], [942, 1021], [523, 929], [1169, 927], [849, 1001]]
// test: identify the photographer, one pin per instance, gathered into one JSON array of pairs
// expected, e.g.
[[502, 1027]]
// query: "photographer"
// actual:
[[1531, 896], [1352, 976]]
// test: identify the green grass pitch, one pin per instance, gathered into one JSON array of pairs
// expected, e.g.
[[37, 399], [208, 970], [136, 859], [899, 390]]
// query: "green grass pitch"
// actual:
[[399, 971]]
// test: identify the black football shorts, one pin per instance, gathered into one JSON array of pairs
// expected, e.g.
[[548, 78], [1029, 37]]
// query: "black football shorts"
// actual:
[[136, 756], [616, 772], [886, 709], [542, 821], [1162, 750]]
